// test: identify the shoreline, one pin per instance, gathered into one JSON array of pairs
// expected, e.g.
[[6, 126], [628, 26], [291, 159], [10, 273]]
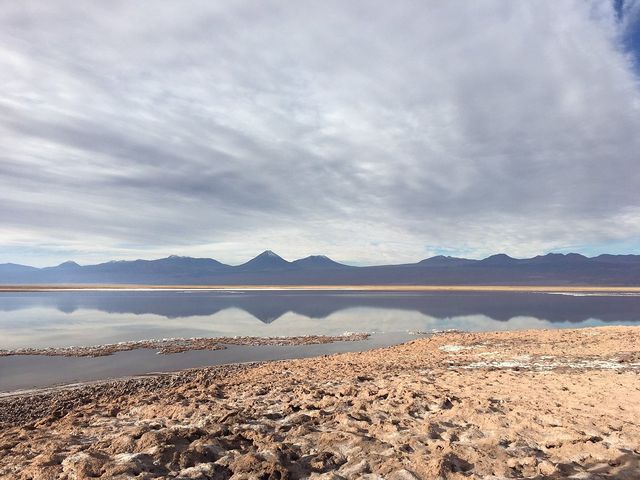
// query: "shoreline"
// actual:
[[37, 371], [270, 341], [319, 288], [80, 386], [535, 403], [526, 364]]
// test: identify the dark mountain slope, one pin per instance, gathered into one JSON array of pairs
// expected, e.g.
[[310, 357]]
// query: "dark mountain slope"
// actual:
[[269, 268]]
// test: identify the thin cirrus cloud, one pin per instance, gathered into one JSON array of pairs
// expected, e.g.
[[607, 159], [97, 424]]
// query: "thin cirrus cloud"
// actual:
[[369, 131]]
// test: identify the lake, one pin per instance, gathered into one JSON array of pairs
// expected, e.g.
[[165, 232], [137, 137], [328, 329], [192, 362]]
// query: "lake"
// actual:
[[56, 319]]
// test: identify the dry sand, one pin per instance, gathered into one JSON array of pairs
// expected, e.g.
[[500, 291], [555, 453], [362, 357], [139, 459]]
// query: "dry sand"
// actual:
[[535, 404]]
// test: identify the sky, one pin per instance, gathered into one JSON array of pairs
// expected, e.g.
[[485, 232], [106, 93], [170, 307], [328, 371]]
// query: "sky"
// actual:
[[370, 131]]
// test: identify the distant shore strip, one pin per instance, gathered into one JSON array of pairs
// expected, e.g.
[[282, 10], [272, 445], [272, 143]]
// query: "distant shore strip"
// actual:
[[323, 288], [180, 345]]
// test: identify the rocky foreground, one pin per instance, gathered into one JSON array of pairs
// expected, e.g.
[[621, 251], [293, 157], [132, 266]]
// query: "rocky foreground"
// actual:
[[535, 404]]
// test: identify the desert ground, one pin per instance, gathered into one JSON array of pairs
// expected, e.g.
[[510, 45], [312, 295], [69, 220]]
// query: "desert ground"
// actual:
[[544, 404]]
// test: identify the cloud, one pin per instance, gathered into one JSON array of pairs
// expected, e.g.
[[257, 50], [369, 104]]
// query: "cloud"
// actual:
[[363, 130]]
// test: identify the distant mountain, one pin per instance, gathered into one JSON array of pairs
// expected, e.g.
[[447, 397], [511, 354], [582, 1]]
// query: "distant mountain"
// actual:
[[268, 268], [14, 268], [68, 265], [267, 260], [445, 261], [617, 259], [162, 265], [559, 259], [317, 261], [499, 260]]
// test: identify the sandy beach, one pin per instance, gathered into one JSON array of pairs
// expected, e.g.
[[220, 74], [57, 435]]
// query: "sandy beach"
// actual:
[[532, 404]]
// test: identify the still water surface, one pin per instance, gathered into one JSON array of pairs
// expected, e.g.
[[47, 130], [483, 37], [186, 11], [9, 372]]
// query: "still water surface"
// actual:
[[51, 319]]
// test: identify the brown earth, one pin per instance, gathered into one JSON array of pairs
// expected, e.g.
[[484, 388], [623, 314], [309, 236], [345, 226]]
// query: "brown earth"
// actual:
[[535, 404]]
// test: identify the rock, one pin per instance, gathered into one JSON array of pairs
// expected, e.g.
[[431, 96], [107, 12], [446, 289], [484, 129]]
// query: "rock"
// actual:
[[450, 462], [206, 471], [325, 476], [83, 465], [258, 467], [355, 468], [402, 475], [128, 463], [323, 462], [545, 467]]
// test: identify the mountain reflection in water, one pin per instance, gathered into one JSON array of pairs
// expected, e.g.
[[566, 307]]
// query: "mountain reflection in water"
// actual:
[[90, 317]]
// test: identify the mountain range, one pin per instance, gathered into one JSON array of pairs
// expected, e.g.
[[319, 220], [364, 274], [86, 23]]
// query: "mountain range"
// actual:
[[268, 268]]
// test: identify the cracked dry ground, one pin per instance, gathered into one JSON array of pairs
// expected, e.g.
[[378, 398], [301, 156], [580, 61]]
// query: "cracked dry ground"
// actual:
[[535, 404]]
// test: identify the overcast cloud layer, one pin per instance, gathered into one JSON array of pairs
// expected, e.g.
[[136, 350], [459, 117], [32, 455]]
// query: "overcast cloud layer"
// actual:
[[374, 132]]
